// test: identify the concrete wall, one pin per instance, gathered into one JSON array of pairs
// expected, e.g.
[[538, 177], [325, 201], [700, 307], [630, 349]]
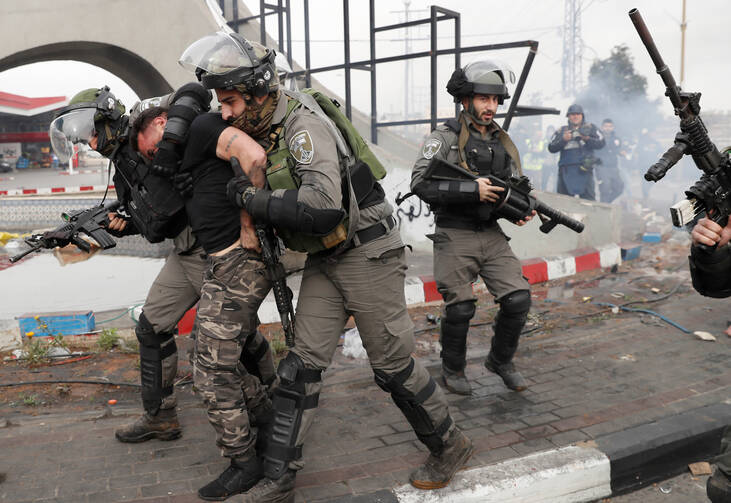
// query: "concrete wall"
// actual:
[[138, 40]]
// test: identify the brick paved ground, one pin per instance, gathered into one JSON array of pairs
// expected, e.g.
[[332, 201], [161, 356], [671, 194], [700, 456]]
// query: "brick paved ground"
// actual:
[[593, 375]]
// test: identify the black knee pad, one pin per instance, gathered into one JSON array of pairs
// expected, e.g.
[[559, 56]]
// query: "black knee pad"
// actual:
[[411, 405], [509, 322], [289, 401], [251, 354], [453, 336], [515, 303], [154, 348], [460, 312]]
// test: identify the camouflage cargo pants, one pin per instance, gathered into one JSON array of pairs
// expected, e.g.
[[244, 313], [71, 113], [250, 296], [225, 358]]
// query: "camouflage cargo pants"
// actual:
[[234, 287]]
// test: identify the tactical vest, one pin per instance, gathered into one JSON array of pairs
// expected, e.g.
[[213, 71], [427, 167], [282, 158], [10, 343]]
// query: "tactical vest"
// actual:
[[156, 208], [482, 157], [281, 166]]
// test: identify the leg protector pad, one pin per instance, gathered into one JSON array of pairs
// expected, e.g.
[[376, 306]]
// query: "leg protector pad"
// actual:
[[410, 403], [454, 327], [154, 348], [509, 322], [257, 359], [289, 402]]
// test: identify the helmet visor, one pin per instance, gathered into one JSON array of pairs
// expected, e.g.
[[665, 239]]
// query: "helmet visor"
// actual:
[[74, 127], [215, 54], [490, 77]]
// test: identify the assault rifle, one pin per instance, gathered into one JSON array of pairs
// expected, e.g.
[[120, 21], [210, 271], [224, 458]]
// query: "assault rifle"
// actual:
[[515, 202], [270, 253], [712, 193], [91, 222]]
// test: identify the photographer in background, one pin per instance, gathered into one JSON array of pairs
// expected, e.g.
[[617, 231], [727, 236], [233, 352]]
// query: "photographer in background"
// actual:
[[576, 142]]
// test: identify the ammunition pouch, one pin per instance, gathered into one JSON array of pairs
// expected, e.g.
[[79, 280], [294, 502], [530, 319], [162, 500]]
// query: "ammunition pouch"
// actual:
[[711, 272]]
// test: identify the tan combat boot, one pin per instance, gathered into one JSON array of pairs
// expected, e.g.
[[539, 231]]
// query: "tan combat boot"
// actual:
[[456, 382], [439, 469], [267, 490], [163, 426]]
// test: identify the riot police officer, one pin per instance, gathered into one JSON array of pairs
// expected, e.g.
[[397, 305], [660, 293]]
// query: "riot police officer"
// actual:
[[354, 267], [576, 142], [711, 274], [154, 209], [467, 240]]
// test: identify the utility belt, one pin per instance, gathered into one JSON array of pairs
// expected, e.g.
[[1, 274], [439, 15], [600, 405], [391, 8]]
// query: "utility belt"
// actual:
[[363, 236], [460, 222]]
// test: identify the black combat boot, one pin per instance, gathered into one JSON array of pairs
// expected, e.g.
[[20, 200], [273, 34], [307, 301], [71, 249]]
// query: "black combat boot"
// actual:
[[456, 382], [718, 488], [239, 477], [511, 377], [268, 490], [439, 468], [164, 426]]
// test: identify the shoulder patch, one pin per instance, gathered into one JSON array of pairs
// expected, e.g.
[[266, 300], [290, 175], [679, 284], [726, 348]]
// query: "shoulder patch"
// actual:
[[301, 147], [431, 147]]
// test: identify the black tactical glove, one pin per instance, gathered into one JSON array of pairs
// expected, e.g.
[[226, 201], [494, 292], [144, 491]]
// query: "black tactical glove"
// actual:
[[183, 183], [56, 238], [240, 190], [166, 161]]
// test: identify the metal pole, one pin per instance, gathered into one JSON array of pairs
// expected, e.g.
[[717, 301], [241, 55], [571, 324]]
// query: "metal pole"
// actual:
[[221, 3], [288, 12], [262, 23], [683, 26], [280, 23], [374, 113], [457, 51], [235, 12], [433, 58], [406, 61], [521, 82], [308, 80], [346, 44]]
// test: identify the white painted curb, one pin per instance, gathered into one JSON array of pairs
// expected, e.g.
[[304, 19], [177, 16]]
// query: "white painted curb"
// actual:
[[566, 475]]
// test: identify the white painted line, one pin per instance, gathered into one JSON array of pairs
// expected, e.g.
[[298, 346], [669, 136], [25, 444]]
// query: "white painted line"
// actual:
[[566, 475], [560, 266], [610, 255]]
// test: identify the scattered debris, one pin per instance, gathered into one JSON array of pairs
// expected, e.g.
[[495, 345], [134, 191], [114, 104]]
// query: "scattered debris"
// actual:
[[666, 489], [704, 336], [655, 290], [585, 299], [701, 468], [617, 295], [432, 318], [112, 402], [628, 357], [63, 389], [615, 310], [352, 345]]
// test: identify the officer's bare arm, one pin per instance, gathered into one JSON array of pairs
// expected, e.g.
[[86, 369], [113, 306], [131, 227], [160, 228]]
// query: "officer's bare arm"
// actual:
[[235, 143]]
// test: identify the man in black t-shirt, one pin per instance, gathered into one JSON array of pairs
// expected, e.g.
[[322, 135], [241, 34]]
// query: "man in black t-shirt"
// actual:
[[234, 286]]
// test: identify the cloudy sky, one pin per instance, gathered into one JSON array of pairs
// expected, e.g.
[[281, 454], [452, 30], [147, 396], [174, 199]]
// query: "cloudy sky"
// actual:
[[605, 24]]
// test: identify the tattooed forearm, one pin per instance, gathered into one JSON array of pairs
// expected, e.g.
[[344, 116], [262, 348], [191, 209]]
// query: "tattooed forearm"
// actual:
[[228, 145]]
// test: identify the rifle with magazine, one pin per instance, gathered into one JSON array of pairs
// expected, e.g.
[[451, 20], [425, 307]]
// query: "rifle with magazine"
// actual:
[[712, 193], [270, 253], [91, 222], [515, 202]]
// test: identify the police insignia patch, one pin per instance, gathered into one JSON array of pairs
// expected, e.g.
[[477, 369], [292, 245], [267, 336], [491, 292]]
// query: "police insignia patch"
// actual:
[[301, 147], [431, 147]]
